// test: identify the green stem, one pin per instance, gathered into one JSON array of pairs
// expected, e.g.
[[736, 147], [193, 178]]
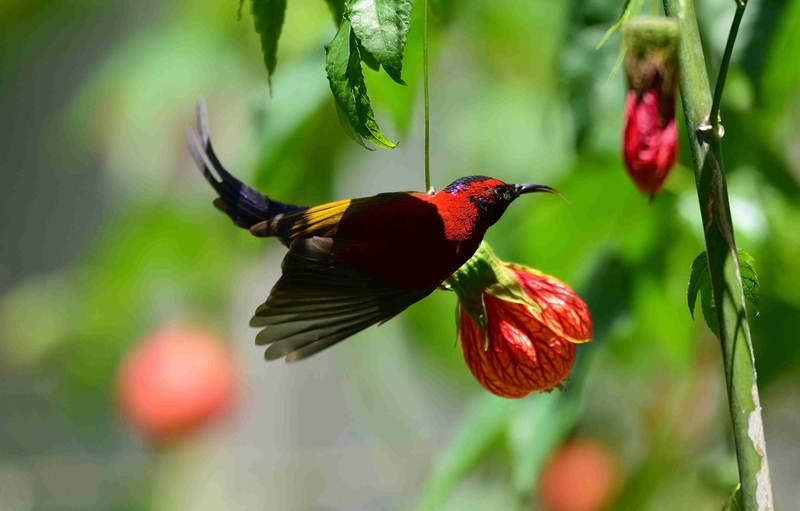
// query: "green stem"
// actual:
[[425, 94], [723, 264], [714, 118]]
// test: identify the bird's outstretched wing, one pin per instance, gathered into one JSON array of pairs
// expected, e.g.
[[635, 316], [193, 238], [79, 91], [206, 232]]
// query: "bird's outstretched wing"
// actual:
[[319, 301]]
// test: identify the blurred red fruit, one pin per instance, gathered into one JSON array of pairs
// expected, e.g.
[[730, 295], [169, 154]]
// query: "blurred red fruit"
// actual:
[[176, 381], [582, 476]]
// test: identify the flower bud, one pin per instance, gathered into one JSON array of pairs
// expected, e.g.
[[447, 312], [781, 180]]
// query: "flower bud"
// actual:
[[650, 141], [517, 326]]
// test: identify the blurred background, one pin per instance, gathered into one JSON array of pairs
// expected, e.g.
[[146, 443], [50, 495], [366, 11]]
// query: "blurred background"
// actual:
[[108, 241]]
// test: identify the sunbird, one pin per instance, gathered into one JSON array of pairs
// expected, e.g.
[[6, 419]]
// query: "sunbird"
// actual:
[[356, 262]]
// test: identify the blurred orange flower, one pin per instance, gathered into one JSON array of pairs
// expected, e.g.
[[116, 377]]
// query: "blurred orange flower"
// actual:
[[175, 381]]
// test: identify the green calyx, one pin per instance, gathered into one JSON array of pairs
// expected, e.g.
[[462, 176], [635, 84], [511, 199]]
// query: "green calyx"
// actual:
[[651, 44], [648, 32], [485, 273]]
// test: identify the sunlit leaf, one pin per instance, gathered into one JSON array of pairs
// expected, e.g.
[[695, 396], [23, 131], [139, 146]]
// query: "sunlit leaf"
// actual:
[[268, 16], [343, 65], [381, 27]]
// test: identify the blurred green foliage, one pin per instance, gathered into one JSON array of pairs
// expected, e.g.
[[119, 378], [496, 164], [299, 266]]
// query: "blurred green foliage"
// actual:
[[108, 232]]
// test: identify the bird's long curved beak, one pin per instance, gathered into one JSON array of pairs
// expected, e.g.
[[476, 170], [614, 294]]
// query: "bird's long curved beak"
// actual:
[[533, 188]]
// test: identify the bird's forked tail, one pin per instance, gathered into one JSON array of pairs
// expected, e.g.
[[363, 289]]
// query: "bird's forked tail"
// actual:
[[243, 204]]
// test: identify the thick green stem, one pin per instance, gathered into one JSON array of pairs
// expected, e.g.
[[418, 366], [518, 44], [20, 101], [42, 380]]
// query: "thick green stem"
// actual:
[[723, 264]]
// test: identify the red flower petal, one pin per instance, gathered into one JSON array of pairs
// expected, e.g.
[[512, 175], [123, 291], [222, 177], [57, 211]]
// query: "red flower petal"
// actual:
[[523, 354], [562, 310], [650, 140]]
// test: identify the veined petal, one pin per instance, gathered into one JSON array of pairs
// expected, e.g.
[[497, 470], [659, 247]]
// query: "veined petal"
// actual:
[[523, 354], [562, 310]]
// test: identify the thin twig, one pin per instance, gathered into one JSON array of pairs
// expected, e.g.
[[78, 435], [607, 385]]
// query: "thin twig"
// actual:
[[425, 93], [714, 117]]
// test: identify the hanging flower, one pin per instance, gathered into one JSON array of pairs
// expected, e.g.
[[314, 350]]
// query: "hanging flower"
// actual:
[[517, 326], [650, 141]]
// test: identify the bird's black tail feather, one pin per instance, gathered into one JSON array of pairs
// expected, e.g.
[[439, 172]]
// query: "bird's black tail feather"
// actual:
[[243, 204]]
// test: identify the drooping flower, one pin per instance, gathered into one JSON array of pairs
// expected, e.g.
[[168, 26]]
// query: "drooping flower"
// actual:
[[517, 326], [650, 140]]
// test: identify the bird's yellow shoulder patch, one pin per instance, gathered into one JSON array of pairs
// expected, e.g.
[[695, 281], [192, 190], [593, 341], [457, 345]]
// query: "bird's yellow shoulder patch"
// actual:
[[320, 220], [323, 220]]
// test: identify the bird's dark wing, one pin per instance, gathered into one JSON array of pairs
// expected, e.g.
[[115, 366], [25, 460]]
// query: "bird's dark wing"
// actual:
[[319, 301]]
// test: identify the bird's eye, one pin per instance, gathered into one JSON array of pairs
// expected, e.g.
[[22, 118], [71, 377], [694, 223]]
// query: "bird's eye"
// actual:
[[500, 192]]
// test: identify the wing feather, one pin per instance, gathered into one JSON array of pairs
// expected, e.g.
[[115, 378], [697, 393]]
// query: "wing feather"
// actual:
[[319, 301]]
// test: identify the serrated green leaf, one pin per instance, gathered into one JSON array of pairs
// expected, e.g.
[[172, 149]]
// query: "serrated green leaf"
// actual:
[[343, 65], [337, 9], [369, 59], [268, 16], [749, 278], [700, 283], [734, 502], [699, 272], [381, 27]]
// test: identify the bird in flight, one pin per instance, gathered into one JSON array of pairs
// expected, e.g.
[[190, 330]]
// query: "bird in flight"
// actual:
[[356, 262]]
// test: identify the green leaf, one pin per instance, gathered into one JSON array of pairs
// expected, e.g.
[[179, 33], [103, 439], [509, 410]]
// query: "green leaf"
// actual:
[[700, 283], [699, 273], [369, 59], [749, 278], [381, 27], [343, 65], [337, 9], [268, 16], [734, 502], [627, 10]]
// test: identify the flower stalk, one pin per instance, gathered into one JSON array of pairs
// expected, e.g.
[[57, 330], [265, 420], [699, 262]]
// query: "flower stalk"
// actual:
[[723, 264]]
